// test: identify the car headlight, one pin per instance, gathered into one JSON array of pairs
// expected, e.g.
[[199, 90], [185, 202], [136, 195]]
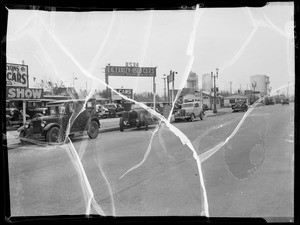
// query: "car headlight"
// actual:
[[43, 124], [27, 125], [187, 112]]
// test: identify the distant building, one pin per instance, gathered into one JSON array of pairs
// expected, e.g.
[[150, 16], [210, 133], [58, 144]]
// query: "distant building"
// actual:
[[262, 84], [207, 83], [192, 81]]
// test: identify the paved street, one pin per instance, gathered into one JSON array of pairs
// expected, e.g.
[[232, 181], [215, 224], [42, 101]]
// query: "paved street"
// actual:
[[247, 165]]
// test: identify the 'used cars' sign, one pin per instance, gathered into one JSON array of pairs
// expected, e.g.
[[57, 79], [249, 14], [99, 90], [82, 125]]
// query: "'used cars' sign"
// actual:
[[16, 75], [127, 92], [23, 93], [130, 71]]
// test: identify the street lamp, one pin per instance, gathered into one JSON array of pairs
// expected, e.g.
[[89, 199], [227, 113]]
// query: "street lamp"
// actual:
[[215, 97], [253, 86]]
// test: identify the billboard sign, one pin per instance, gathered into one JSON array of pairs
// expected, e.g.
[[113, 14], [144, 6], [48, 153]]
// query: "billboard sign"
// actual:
[[16, 75], [130, 71], [127, 92], [23, 93]]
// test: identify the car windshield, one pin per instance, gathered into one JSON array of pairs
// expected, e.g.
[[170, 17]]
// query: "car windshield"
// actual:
[[187, 105], [58, 109]]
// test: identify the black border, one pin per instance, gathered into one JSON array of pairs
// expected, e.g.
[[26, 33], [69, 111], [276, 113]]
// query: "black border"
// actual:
[[89, 5]]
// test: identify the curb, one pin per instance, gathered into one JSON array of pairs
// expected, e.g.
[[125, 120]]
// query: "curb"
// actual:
[[218, 113]]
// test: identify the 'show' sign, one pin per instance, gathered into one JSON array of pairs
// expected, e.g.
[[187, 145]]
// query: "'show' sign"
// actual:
[[23, 93]]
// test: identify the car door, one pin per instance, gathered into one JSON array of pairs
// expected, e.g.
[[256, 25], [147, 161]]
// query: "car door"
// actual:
[[79, 118]]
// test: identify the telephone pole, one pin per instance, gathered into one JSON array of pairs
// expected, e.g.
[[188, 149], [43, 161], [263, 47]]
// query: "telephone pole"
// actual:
[[164, 78], [215, 94]]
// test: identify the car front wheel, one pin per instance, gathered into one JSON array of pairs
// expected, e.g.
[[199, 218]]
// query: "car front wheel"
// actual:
[[54, 135], [93, 130], [22, 135], [121, 124]]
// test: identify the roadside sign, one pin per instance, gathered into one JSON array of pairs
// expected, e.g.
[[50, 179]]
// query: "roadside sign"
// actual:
[[23, 93], [127, 92], [126, 71], [16, 75]]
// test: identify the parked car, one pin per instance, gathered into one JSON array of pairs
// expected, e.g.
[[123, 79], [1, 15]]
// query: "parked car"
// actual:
[[114, 109], [53, 128], [205, 107], [285, 101], [189, 111], [102, 111], [136, 117], [239, 106], [34, 108], [269, 101]]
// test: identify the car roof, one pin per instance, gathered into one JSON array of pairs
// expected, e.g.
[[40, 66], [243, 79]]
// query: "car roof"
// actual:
[[59, 102]]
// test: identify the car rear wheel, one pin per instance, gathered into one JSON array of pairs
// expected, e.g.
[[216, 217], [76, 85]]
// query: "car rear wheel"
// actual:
[[54, 135], [93, 130], [121, 124], [192, 119], [201, 116]]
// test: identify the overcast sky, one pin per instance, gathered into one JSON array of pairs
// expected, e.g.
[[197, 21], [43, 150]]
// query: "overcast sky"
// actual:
[[239, 41]]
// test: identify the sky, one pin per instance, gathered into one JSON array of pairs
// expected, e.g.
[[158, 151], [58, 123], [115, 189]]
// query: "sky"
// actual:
[[240, 42]]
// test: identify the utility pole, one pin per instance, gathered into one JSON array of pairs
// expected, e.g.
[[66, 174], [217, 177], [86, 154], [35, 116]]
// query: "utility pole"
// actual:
[[231, 87], [172, 79], [215, 97], [164, 78]]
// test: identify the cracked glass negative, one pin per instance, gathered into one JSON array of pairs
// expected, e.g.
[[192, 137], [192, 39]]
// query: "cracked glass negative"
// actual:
[[184, 112]]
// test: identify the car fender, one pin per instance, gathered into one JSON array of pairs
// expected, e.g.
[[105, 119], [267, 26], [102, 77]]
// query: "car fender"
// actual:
[[94, 119], [21, 128], [49, 126]]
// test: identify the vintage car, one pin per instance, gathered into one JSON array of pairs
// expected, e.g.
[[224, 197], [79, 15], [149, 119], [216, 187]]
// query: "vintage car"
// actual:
[[189, 111], [269, 101], [136, 117], [102, 111], [239, 106], [34, 108], [53, 128], [114, 109], [285, 101]]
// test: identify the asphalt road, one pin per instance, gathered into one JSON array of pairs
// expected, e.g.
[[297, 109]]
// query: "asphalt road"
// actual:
[[247, 166]]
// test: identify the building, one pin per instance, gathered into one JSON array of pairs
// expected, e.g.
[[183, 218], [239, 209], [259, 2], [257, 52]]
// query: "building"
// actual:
[[207, 82], [262, 84], [192, 81]]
